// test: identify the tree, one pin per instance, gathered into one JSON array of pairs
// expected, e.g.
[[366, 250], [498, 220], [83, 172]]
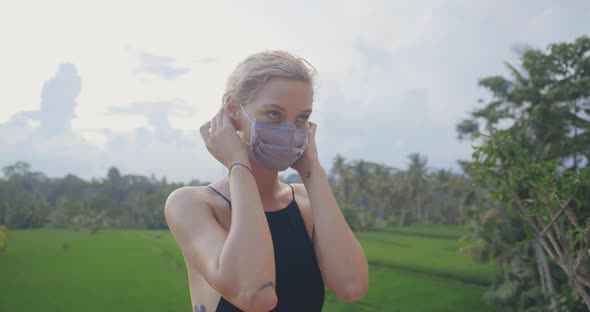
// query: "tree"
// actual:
[[540, 115], [547, 103], [418, 184], [29, 199], [552, 203]]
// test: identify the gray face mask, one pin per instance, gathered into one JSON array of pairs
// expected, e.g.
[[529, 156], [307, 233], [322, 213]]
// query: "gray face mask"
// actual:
[[275, 146]]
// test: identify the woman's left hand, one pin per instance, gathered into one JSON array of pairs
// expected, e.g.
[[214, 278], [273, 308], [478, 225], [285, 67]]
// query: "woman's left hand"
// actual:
[[309, 158]]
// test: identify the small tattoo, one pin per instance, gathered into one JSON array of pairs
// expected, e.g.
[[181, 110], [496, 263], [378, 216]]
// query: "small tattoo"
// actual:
[[200, 309], [308, 173], [267, 284]]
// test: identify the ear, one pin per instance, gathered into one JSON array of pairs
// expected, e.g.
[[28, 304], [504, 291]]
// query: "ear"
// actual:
[[230, 108]]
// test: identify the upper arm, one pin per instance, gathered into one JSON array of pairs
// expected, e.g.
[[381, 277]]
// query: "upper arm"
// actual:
[[197, 232], [332, 278], [201, 240]]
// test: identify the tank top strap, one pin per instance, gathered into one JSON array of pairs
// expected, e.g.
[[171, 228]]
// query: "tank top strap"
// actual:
[[292, 190], [219, 193], [298, 224], [229, 201]]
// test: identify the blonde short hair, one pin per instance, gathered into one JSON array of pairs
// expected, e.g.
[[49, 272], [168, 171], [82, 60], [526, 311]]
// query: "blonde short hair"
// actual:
[[258, 68]]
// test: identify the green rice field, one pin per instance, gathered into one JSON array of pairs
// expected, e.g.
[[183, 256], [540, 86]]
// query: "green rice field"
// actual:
[[411, 269]]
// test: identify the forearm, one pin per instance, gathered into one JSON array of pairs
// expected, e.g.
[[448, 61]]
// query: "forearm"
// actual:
[[340, 253], [247, 258]]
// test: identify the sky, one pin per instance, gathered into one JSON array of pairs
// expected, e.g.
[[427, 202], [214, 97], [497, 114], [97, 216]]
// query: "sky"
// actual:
[[86, 85]]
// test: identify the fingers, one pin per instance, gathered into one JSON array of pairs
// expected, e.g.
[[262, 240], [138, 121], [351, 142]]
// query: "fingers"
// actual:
[[205, 131], [312, 127], [220, 119], [227, 122], [215, 124]]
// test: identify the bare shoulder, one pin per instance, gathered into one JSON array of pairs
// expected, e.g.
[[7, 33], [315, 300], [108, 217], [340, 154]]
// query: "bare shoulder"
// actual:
[[193, 224], [300, 193], [184, 200], [187, 207]]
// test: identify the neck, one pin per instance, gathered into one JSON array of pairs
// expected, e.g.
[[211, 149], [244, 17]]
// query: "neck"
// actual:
[[267, 180]]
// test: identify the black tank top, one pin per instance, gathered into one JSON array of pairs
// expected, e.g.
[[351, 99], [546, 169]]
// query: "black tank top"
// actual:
[[299, 285]]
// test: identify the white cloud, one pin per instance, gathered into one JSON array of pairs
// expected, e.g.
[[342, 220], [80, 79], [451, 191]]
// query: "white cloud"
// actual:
[[161, 66], [394, 77]]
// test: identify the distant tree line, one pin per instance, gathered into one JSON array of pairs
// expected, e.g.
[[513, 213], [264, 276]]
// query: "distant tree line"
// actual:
[[30, 199], [371, 195]]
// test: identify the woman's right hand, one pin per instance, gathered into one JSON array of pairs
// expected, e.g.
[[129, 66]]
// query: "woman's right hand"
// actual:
[[223, 142]]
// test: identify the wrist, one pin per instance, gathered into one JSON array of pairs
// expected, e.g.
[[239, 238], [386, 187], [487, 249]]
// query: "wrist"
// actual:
[[243, 158], [309, 170], [239, 165]]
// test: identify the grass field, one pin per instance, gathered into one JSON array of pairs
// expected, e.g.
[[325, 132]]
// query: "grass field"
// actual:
[[411, 269]]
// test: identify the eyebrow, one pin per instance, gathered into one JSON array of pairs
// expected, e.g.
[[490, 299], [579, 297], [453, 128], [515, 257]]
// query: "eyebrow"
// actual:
[[281, 108]]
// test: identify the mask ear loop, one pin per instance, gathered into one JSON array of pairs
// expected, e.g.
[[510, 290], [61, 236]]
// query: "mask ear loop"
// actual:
[[234, 116]]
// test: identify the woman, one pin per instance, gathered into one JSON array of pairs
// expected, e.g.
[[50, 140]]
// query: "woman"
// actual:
[[251, 242]]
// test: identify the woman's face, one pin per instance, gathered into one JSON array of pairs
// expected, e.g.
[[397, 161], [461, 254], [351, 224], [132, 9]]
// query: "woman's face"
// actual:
[[280, 101]]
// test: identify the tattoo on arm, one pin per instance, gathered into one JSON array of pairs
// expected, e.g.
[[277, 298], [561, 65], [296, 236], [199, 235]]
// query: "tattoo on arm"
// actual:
[[308, 173], [200, 308], [267, 284]]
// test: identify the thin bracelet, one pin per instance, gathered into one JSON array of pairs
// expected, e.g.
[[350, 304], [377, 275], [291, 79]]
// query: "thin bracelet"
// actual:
[[230, 167]]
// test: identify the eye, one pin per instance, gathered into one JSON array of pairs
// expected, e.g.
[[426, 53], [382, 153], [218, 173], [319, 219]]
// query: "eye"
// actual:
[[303, 118], [273, 114]]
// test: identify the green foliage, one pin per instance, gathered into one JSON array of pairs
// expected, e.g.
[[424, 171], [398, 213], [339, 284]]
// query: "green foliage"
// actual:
[[545, 103], [537, 192], [371, 196], [531, 164], [351, 214], [31, 200], [529, 185], [374, 196]]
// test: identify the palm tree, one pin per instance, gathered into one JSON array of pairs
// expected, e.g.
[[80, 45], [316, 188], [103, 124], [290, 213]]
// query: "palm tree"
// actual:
[[382, 191], [361, 188], [418, 183]]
